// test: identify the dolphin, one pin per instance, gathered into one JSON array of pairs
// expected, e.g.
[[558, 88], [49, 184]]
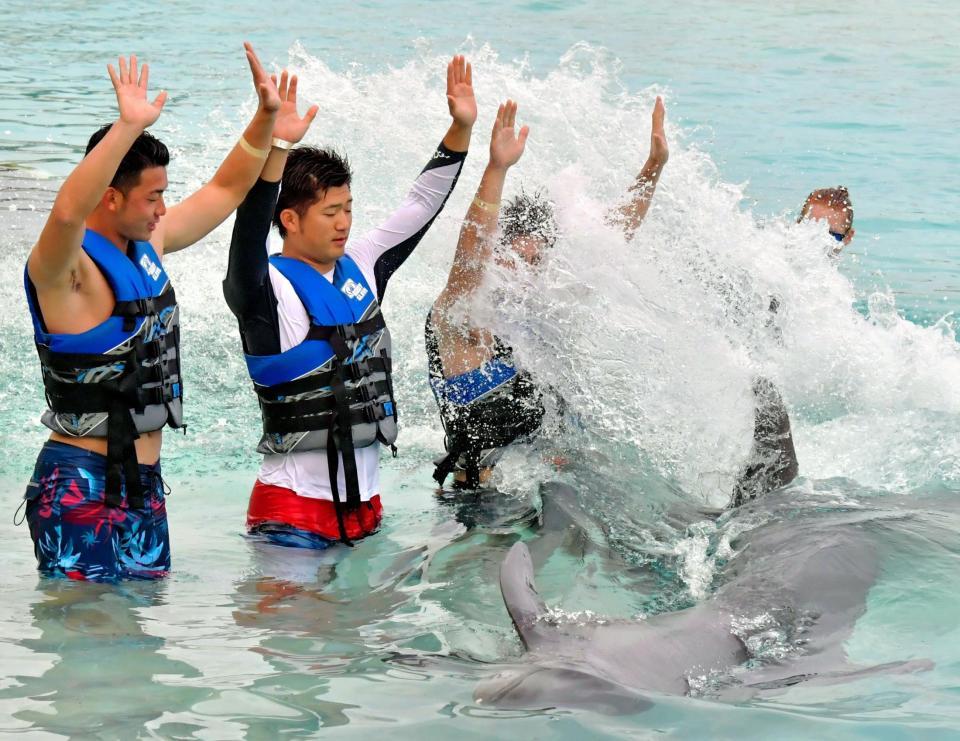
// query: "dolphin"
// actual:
[[807, 578]]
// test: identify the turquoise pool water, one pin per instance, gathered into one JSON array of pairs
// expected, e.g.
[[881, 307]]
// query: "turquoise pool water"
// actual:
[[764, 104]]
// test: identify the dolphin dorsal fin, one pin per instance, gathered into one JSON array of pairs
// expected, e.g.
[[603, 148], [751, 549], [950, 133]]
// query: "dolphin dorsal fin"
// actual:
[[524, 604]]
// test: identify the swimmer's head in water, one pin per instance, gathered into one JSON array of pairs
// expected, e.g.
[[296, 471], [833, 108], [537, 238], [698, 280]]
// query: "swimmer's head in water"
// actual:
[[528, 226], [833, 206], [133, 204], [314, 212]]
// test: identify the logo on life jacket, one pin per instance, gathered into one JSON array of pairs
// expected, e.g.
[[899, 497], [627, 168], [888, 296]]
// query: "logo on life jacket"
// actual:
[[354, 290], [147, 264]]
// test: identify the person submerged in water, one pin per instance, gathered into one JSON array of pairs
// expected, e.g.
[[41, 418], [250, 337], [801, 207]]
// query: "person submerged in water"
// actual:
[[106, 327], [314, 337], [773, 459], [833, 206], [486, 402]]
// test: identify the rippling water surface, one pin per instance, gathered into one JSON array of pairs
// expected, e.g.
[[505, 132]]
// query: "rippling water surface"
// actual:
[[653, 343]]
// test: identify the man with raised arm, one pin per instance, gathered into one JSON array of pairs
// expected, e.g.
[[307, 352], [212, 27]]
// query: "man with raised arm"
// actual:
[[106, 326], [315, 341], [485, 401]]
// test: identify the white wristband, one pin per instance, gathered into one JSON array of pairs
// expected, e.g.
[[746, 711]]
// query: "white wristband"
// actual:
[[281, 143]]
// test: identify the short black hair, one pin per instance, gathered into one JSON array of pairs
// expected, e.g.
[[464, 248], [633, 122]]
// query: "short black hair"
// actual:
[[309, 173], [529, 215], [147, 151]]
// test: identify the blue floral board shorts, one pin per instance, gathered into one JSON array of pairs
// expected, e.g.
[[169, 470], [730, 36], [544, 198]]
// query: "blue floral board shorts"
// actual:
[[76, 534]]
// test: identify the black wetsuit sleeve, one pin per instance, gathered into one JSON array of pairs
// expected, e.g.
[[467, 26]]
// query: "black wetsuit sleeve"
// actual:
[[247, 287], [384, 249]]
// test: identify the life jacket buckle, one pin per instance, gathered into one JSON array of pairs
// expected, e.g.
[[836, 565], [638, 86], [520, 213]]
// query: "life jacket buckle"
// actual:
[[356, 370]]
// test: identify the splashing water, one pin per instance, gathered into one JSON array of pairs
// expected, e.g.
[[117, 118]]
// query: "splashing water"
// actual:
[[653, 342]]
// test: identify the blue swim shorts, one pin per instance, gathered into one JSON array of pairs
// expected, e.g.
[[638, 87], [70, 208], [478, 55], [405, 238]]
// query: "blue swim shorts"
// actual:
[[78, 535]]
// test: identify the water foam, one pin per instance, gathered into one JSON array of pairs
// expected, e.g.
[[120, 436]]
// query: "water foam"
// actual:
[[653, 341]]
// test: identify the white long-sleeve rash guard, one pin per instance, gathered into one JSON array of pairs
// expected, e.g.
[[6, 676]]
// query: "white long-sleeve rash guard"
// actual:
[[377, 253]]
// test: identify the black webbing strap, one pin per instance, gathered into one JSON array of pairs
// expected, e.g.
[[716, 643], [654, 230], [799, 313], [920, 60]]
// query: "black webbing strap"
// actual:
[[340, 439], [143, 307], [116, 397], [122, 461], [91, 398], [351, 371], [444, 468], [448, 464], [333, 466], [342, 430], [338, 335], [301, 416], [393, 402]]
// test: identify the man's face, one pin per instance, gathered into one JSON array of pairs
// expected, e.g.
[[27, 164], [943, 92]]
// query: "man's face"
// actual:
[[138, 210], [835, 218], [321, 233]]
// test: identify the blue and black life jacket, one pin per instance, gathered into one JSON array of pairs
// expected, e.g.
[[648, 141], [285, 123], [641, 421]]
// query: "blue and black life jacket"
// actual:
[[482, 410], [121, 377], [333, 391]]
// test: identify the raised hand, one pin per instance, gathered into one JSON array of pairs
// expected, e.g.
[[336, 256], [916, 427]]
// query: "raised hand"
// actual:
[[659, 153], [266, 88], [506, 146], [289, 125], [132, 93], [460, 99]]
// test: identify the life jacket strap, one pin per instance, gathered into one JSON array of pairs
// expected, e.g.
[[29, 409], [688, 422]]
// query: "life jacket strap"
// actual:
[[333, 466], [444, 467], [355, 371], [122, 461], [143, 307], [302, 416], [338, 335]]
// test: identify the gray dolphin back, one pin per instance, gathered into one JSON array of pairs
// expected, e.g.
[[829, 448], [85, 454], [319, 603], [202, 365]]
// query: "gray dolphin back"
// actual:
[[524, 604]]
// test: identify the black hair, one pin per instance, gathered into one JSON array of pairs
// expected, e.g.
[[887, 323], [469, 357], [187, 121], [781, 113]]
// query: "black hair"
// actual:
[[529, 215], [147, 151], [309, 173]]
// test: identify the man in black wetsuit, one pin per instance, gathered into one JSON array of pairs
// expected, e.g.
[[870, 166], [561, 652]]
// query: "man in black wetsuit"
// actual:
[[316, 344], [485, 401]]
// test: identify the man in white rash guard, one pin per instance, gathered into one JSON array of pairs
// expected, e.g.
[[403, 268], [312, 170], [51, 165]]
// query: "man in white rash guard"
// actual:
[[315, 342]]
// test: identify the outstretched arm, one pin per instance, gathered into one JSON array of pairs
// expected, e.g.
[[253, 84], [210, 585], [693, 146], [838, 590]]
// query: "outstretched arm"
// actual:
[[641, 192], [462, 104], [289, 128], [57, 251], [202, 212], [245, 286], [381, 251], [480, 224]]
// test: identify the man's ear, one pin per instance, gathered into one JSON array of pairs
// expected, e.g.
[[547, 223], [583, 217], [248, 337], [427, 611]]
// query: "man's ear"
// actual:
[[290, 220], [849, 238], [112, 199]]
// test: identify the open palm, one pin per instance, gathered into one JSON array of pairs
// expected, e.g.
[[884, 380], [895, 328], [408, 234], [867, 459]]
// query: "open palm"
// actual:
[[289, 126], [132, 93], [460, 98], [506, 147], [266, 88]]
